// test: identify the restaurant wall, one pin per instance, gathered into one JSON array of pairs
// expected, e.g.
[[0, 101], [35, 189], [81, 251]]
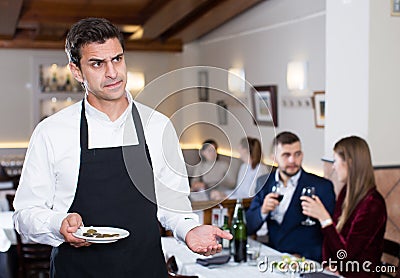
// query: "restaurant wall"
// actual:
[[263, 41], [384, 97], [347, 60], [361, 78], [15, 95]]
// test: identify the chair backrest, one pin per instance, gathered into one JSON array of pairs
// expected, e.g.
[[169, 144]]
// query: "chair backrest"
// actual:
[[10, 200], [33, 258], [390, 259], [172, 268]]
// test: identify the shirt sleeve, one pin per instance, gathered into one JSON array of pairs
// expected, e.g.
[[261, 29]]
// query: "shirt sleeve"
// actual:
[[171, 184], [34, 218]]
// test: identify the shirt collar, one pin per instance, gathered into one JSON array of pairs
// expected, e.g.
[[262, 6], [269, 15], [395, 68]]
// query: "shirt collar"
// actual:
[[94, 113], [293, 180]]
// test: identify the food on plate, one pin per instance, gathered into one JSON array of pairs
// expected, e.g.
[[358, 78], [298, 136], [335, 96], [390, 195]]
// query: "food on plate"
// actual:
[[294, 264], [94, 233]]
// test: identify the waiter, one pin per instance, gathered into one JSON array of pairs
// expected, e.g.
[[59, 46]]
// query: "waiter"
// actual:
[[101, 162]]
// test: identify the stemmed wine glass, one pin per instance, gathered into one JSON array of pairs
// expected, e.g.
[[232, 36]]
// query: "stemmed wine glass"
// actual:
[[308, 191], [276, 189]]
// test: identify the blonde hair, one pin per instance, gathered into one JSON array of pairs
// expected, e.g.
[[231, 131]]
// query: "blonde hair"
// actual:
[[360, 173]]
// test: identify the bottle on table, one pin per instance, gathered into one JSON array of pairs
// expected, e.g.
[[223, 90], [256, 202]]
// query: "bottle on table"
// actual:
[[225, 242], [233, 222], [239, 232]]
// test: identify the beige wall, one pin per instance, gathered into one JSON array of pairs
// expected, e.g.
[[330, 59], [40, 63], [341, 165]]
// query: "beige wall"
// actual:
[[362, 65], [384, 97]]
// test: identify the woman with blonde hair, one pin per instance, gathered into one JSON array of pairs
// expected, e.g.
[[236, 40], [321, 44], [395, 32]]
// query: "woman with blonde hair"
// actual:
[[355, 233]]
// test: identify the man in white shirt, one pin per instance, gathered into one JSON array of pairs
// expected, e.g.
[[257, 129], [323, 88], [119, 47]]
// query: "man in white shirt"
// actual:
[[106, 161]]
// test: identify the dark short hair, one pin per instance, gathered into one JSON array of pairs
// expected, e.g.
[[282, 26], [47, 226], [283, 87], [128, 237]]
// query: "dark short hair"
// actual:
[[86, 31], [284, 138], [208, 142]]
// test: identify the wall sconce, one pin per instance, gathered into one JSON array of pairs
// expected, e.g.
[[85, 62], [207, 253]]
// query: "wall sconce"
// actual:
[[296, 77], [236, 81], [135, 81]]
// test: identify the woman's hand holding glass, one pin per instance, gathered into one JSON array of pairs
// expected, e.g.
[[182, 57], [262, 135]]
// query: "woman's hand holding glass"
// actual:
[[313, 207]]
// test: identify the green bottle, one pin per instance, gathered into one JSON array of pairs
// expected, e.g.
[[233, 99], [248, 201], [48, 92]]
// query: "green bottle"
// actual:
[[225, 242], [239, 234]]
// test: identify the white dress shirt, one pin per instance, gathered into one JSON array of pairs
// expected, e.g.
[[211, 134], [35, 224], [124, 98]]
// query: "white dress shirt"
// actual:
[[287, 192], [50, 172], [247, 180]]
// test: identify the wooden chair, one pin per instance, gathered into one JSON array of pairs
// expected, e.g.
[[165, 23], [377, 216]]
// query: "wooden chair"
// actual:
[[33, 258], [390, 259], [172, 268]]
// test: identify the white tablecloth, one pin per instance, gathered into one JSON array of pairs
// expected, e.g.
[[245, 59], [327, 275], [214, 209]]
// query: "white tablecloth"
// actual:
[[7, 226], [186, 261]]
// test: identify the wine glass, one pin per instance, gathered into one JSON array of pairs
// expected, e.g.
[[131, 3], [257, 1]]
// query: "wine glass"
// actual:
[[276, 189], [308, 191]]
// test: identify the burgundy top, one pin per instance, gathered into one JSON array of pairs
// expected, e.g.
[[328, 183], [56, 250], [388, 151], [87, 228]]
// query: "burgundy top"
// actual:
[[361, 237]]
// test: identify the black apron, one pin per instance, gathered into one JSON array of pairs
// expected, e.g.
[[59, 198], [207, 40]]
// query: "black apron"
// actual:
[[106, 196]]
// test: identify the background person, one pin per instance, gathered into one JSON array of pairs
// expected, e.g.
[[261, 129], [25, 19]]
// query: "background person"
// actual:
[[251, 168], [285, 231], [359, 221], [75, 172], [210, 173]]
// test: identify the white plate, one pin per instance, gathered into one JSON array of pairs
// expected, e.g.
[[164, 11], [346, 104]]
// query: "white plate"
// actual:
[[102, 230]]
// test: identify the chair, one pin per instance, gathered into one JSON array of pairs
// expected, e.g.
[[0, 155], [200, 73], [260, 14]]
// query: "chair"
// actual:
[[6, 176], [391, 254], [172, 268], [33, 258]]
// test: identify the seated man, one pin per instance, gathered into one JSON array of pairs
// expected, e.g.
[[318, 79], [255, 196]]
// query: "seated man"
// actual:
[[284, 219]]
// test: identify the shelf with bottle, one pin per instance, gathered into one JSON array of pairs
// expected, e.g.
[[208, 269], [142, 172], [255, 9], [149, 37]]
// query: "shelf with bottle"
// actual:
[[54, 87], [56, 78], [53, 104]]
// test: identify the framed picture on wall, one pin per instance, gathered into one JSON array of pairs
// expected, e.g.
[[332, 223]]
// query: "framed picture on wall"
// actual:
[[203, 85], [395, 4], [319, 108], [264, 104]]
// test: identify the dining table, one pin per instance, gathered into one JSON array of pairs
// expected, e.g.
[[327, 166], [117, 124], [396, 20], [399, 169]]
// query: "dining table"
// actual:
[[7, 239], [7, 227], [187, 265]]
